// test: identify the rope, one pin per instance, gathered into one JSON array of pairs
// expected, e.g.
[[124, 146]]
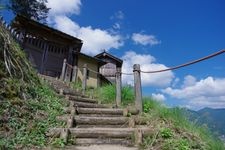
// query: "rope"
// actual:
[[126, 73], [171, 68], [188, 63]]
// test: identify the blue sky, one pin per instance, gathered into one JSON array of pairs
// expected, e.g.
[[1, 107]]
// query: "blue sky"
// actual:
[[157, 34]]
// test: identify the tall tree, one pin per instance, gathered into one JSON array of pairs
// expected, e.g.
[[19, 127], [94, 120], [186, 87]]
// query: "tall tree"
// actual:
[[33, 9]]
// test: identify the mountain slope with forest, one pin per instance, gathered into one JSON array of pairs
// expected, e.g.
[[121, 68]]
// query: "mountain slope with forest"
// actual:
[[212, 118]]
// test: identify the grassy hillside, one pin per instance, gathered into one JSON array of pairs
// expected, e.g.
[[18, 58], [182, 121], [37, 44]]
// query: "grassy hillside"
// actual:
[[174, 131], [28, 107], [171, 128]]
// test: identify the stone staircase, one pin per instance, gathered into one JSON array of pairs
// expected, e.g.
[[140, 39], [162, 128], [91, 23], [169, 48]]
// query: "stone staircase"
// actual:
[[89, 123]]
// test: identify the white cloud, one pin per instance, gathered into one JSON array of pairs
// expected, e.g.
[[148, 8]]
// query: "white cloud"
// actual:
[[189, 80], [66, 25], [65, 7], [158, 97], [208, 92], [147, 63], [175, 82], [119, 15], [116, 25], [94, 40], [145, 39]]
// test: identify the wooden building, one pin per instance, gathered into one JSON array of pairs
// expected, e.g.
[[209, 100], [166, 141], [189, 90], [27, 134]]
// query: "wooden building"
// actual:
[[46, 47], [112, 64], [94, 79]]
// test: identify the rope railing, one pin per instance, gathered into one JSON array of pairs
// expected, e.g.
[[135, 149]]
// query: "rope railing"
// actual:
[[188, 63], [125, 73], [136, 73], [182, 65]]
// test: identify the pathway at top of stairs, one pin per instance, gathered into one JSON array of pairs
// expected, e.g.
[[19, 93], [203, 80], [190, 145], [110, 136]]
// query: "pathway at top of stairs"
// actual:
[[94, 126]]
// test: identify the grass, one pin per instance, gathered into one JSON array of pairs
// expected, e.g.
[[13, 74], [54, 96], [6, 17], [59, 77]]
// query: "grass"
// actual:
[[107, 95], [28, 121], [28, 107], [174, 131]]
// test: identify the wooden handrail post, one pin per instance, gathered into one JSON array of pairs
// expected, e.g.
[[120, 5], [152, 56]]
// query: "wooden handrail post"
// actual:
[[137, 87], [84, 81], [118, 86], [74, 74], [63, 70], [68, 73]]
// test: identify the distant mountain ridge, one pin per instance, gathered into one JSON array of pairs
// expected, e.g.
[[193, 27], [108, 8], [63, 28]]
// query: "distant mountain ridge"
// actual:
[[213, 118]]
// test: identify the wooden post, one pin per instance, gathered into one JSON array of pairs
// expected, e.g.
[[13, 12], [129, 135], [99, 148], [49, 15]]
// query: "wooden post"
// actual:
[[138, 136], [74, 73], [63, 70], [118, 86], [137, 87], [68, 73], [84, 81]]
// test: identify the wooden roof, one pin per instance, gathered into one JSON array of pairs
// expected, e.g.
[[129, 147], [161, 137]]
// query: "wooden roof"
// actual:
[[41, 30], [104, 54]]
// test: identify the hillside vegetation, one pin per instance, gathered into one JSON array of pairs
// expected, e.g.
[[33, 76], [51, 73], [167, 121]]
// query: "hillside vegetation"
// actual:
[[172, 129], [213, 118], [28, 107]]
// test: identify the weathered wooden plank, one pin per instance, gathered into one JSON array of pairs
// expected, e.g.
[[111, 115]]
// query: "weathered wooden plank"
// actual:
[[101, 120], [118, 86], [117, 141], [137, 87]]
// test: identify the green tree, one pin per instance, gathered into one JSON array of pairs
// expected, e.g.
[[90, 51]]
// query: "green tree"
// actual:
[[33, 9]]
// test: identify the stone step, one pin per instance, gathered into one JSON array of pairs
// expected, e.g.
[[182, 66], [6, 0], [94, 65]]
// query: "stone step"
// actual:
[[100, 115], [126, 133], [90, 105], [101, 126], [100, 141], [103, 121], [111, 111], [79, 120], [82, 99], [100, 147]]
